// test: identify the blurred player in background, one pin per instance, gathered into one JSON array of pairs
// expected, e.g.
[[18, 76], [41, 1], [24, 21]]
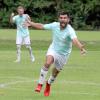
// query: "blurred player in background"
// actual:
[[22, 36]]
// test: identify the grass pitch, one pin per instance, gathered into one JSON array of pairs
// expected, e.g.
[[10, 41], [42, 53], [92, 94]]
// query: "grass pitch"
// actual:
[[79, 80]]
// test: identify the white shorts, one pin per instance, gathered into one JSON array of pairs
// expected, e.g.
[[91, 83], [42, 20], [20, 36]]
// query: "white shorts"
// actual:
[[59, 60], [23, 40]]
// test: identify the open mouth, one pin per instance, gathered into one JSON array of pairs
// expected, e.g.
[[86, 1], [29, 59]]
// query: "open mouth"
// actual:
[[63, 24]]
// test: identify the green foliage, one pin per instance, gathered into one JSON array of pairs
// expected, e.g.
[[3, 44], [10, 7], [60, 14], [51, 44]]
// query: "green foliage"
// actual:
[[85, 14]]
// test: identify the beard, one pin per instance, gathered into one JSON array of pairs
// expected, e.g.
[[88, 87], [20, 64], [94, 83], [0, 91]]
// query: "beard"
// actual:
[[63, 25]]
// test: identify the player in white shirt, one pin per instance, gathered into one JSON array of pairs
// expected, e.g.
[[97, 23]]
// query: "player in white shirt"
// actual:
[[22, 36], [63, 35]]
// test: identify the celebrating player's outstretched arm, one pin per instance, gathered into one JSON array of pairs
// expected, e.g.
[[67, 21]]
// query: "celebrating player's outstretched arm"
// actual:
[[77, 43], [33, 24]]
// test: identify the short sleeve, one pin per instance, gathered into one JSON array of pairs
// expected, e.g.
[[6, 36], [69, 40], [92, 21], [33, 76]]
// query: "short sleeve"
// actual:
[[48, 26], [72, 33], [27, 16]]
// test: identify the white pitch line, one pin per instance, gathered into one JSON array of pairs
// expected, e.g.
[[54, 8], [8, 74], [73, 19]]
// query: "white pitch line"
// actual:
[[76, 93], [6, 85], [3, 85], [79, 82], [14, 77], [21, 79]]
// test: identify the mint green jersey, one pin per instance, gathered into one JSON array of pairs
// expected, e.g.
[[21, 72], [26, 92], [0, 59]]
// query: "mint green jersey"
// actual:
[[62, 39], [21, 29]]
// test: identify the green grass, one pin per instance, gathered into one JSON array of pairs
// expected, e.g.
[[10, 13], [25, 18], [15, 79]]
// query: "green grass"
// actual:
[[79, 80], [42, 39]]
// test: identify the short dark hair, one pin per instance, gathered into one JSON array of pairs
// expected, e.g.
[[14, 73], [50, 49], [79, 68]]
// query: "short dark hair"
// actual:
[[20, 7], [63, 13]]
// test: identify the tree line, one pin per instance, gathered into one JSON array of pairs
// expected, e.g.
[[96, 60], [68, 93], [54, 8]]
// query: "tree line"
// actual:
[[84, 14]]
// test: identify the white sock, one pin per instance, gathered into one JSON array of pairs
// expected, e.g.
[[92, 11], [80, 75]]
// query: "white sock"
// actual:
[[30, 51], [43, 74], [51, 79], [18, 52]]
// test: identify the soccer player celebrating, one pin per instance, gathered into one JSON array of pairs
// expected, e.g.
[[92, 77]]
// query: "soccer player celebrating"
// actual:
[[59, 50], [22, 36]]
